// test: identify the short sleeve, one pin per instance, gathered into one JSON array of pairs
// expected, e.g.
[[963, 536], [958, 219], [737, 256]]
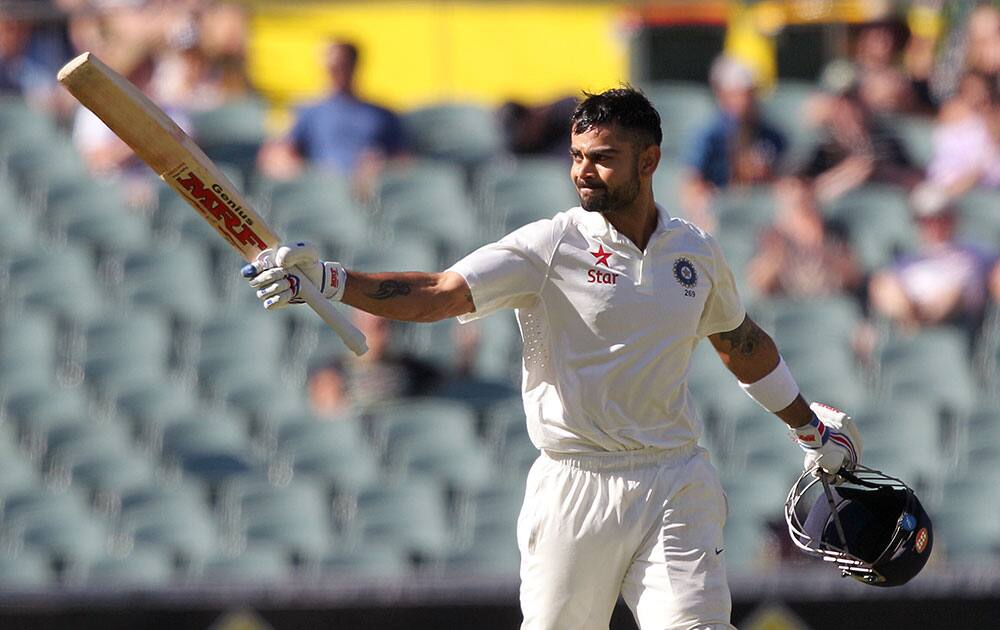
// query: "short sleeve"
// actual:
[[724, 309], [298, 136], [508, 273]]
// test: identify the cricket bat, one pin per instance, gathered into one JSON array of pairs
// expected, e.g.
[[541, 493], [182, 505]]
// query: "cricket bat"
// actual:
[[179, 162]]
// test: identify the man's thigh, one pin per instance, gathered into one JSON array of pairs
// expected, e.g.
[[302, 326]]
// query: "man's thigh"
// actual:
[[572, 563], [678, 579]]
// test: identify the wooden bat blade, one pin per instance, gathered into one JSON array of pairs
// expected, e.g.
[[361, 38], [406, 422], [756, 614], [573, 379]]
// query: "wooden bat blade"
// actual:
[[175, 157], [170, 152]]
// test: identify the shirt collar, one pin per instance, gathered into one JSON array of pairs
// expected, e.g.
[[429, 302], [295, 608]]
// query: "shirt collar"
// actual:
[[598, 227]]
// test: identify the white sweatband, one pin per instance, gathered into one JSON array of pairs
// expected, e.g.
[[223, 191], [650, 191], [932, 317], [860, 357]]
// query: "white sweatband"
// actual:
[[334, 281], [775, 391]]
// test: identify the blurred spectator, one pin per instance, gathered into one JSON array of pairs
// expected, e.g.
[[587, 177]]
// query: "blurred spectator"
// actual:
[[30, 56], [341, 132], [382, 374], [738, 148], [966, 143], [944, 282], [982, 52], [327, 383], [883, 86], [104, 153], [537, 129], [800, 255], [854, 148]]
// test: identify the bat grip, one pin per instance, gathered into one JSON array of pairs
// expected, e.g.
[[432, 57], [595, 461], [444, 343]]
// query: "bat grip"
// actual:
[[352, 337]]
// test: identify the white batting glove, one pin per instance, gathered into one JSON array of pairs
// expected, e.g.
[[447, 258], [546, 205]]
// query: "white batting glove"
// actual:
[[276, 274], [831, 440]]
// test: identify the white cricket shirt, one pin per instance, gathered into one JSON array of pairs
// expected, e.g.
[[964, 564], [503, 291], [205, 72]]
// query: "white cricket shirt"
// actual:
[[608, 330]]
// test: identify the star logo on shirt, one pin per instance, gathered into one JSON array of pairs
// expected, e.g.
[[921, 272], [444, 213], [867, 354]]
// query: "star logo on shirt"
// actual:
[[601, 256]]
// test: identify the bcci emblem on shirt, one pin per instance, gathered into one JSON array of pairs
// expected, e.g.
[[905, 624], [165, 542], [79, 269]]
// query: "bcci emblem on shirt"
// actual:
[[686, 274]]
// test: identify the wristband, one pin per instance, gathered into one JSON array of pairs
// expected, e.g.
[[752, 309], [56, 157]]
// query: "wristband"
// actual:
[[334, 281], [775, 391]]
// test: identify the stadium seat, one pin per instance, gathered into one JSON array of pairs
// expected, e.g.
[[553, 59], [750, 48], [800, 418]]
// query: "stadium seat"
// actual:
[[185, 532], [29, 350], [917, 135], [877, 218], [934, 366], [295, 516], [744, 210], [16, 473], [235, 121], [465, 468], [428, 198], [411, 513], [205, 435], [966, 525], [172, 278], [498, 355], [151, 404], [153, 496], [490, 512], [257, 564], [239, 341], [68, 536], [409, 252], [127, 349], [784, 107], [38, 410], [141, 568], [217, 465], [318, 206], [492, 557], [334, 453], [94, 214], [56, 280], [25, 570], [903, 438], [685, 109], [979, 221], [38, 163], [108, 473], [517, 192], [379, 561], [466, 134], [759, 441], [450, 423]]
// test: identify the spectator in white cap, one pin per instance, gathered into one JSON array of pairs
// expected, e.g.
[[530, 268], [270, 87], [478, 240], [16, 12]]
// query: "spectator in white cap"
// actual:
[[737, 148], [945, 281]]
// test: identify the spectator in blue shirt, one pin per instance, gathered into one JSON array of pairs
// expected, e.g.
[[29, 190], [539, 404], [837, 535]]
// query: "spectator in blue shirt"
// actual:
[[738, 148], [342, 132]]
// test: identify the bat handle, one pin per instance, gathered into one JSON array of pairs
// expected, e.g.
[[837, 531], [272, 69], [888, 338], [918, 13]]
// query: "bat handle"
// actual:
[[352, 337]]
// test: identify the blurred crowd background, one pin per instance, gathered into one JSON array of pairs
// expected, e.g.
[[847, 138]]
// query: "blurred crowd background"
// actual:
[[157, 427]]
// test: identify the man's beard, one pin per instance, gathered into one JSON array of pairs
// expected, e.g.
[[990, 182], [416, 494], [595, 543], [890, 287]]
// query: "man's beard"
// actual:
[[608, 200]]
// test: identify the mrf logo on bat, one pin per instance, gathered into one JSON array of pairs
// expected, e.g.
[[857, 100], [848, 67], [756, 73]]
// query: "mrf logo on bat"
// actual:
[[217, 206]]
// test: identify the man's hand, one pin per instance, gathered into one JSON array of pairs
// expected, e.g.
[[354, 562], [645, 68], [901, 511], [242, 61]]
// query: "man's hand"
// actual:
[[831, 440], [277, 274]]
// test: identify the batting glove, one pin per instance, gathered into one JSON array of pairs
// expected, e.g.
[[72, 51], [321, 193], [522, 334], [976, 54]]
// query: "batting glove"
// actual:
[[831, 440], [276, 274]]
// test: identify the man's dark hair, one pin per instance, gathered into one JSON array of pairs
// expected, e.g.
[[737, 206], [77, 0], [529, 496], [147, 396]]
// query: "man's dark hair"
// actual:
[[625, 106]]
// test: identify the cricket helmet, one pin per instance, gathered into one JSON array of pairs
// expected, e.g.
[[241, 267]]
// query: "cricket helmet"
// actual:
[[870, 525]]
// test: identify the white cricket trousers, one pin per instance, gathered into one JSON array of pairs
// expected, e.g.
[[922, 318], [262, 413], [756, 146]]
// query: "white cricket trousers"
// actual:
[[646, 524]]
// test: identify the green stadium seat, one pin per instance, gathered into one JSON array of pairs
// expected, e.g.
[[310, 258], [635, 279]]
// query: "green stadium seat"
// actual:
[[759, 441], [95, 214], [317, 206], [904, 438], [517, 453], [685, 108], [979, 220], [185, 532], [461, 469], [127, 349], [515, 193], [934, 365], [150, 404], [306, 432], [403, 253], [492, 557], [150, 496], [38, 410], [466, 134], [16, 473], [171, 278], [25, 570], [295, 517], [744, 210], [490, 512], [877, 218], [70, 537], [480, 393], [244, 339], [141, 568], [917, 135], [39, 163], [498, 355], [257, 564], [450, 422], [204, 435], [966, 526], [334, 453], [411, 513], [217, 465], [428, 198], [57, 281], [74, 441], [235, 121], [785, 107], [381, 561]]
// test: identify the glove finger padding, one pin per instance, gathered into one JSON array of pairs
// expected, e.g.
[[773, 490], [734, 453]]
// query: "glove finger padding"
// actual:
[[304, 257], [268, 277]]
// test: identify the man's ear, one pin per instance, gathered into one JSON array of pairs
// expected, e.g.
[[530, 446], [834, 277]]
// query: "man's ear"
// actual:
[[649, 158]]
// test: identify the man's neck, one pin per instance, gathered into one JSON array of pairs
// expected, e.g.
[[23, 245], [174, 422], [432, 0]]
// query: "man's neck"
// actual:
[[636, 222]]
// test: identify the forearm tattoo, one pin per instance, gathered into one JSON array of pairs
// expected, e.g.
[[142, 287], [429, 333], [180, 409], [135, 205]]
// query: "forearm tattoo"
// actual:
[[745, 339], [389, 289]]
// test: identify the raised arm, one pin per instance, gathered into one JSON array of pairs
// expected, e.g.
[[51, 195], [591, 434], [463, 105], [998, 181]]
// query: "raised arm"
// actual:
[[409, 296], [750, 354]]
